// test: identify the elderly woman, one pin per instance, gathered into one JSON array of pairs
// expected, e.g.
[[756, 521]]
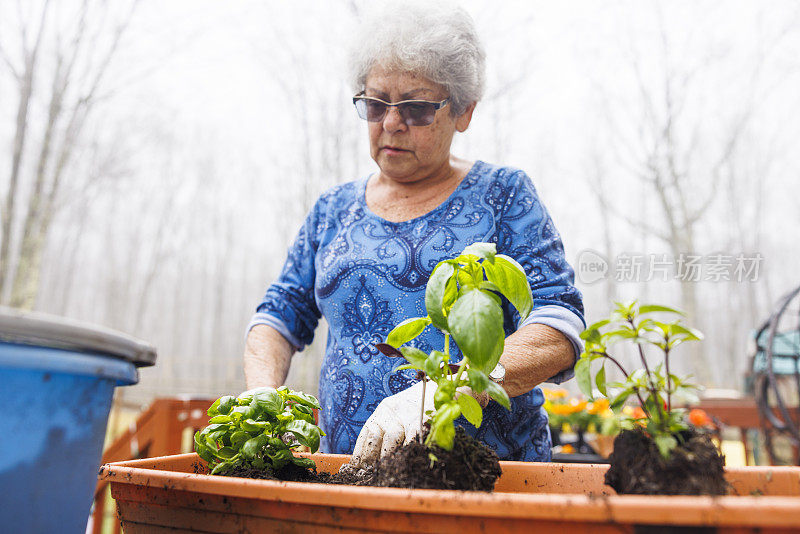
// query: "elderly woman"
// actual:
[[367, 248]]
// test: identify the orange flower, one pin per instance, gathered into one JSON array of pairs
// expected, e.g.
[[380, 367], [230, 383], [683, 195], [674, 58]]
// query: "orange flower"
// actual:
[[598, 407], [554, 393], [699, 418], [634, 412]]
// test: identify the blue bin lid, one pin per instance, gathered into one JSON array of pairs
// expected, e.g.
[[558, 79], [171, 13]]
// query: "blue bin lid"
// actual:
[[29, 328]]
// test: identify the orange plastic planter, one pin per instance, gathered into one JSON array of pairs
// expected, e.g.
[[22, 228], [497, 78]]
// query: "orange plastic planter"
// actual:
[[164, 494]]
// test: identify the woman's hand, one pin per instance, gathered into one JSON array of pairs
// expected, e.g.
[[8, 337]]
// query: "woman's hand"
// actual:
[[395, 422]]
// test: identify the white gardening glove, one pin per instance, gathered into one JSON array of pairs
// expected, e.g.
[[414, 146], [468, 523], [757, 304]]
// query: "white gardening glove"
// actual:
[[395, 422]]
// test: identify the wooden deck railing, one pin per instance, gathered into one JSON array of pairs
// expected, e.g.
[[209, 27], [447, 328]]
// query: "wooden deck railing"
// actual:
[[158, 431], [741, 413]]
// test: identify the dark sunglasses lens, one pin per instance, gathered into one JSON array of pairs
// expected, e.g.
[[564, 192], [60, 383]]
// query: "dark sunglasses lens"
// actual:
[[418, 113], [376, 111], [370, 110]]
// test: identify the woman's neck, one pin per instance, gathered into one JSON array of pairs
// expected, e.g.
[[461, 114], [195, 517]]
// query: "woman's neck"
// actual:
[[401, 201]]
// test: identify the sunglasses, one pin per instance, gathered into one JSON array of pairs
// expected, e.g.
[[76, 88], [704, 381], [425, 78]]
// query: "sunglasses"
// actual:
[[413, 112]]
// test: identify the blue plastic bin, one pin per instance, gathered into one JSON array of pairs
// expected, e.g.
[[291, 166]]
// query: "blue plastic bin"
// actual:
[[57, 379]]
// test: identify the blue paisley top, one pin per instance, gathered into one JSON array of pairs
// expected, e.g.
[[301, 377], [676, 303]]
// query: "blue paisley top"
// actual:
[[366, 274]]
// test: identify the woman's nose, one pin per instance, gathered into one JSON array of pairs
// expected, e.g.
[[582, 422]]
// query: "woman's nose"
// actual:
[[393, 121]]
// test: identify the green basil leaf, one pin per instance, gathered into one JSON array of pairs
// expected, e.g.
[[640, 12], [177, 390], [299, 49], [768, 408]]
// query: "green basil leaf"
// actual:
[[618, 401], [433, 363], [649, 308], [690, 333], [494, 296], [239, 437], [222, 468], [476, 323], [247, 396], [255, 410], [302, 415], [308, 463], [239, 411], [510, 277], [465, 281], [600, 380], [226, 452], [450, 295], [583, 375], [202, 449], [226, 404], [220, 419], [442, 431], [489, 286], [280, 458], [435, 294], [254, 447], [407, 330], [306, 433], [303, 398], [444, 394], [598, 325], [478, 381], [250, 425], [592, 335], [414, 356], [407, 366], [216, 437], [471, 409], [269, 401], [499, 394], [214, 408], [486, 251]]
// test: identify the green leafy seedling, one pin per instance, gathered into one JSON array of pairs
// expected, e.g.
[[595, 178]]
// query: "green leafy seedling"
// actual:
[[653, 388], [259, 429], [462, 299]]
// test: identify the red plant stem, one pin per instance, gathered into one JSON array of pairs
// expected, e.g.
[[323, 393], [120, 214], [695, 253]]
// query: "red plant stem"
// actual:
[[641, 401], [605, 354], [647, 370], [669, 379]]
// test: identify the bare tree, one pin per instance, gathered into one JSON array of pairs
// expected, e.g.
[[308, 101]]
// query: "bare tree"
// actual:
[[680, 165], [78, 48]]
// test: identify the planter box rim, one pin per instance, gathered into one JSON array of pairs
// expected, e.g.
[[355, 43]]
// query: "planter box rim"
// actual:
[[771, 511]]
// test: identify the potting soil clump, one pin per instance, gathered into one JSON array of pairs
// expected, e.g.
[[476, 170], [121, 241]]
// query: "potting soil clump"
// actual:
[[288, 473], [471, 465], [694, 468]]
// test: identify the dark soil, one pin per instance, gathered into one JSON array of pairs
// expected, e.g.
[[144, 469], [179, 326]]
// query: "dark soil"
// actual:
[[695, 467], [471, 465], [289, 473]]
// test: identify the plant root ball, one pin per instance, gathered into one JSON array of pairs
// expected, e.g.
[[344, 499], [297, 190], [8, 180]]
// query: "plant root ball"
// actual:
[[695, 467]]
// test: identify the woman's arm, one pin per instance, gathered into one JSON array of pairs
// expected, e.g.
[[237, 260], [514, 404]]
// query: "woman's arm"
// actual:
[[267, 356], [533, 354]]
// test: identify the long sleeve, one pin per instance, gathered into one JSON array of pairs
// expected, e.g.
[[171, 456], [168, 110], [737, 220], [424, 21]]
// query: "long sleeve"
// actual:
[[289, 304], [527, 234]]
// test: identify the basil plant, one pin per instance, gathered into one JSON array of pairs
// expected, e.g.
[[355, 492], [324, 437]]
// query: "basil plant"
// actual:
[[259, 429], [463, 300]]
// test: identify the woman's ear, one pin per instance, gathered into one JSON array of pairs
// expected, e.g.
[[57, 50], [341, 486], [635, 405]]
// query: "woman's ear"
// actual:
[[463, 120]]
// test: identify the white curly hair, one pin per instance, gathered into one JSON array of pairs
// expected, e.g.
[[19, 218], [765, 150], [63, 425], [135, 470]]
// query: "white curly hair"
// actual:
[[436, 40]]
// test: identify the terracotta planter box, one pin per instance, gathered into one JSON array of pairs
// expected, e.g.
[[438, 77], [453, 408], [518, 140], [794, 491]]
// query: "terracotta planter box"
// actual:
[[163, 494]]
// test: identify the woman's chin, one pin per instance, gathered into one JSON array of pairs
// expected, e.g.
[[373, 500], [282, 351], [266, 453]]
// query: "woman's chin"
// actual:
[[398, 171]]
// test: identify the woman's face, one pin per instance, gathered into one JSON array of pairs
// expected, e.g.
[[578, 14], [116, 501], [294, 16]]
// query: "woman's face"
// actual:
[[411, 153]]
